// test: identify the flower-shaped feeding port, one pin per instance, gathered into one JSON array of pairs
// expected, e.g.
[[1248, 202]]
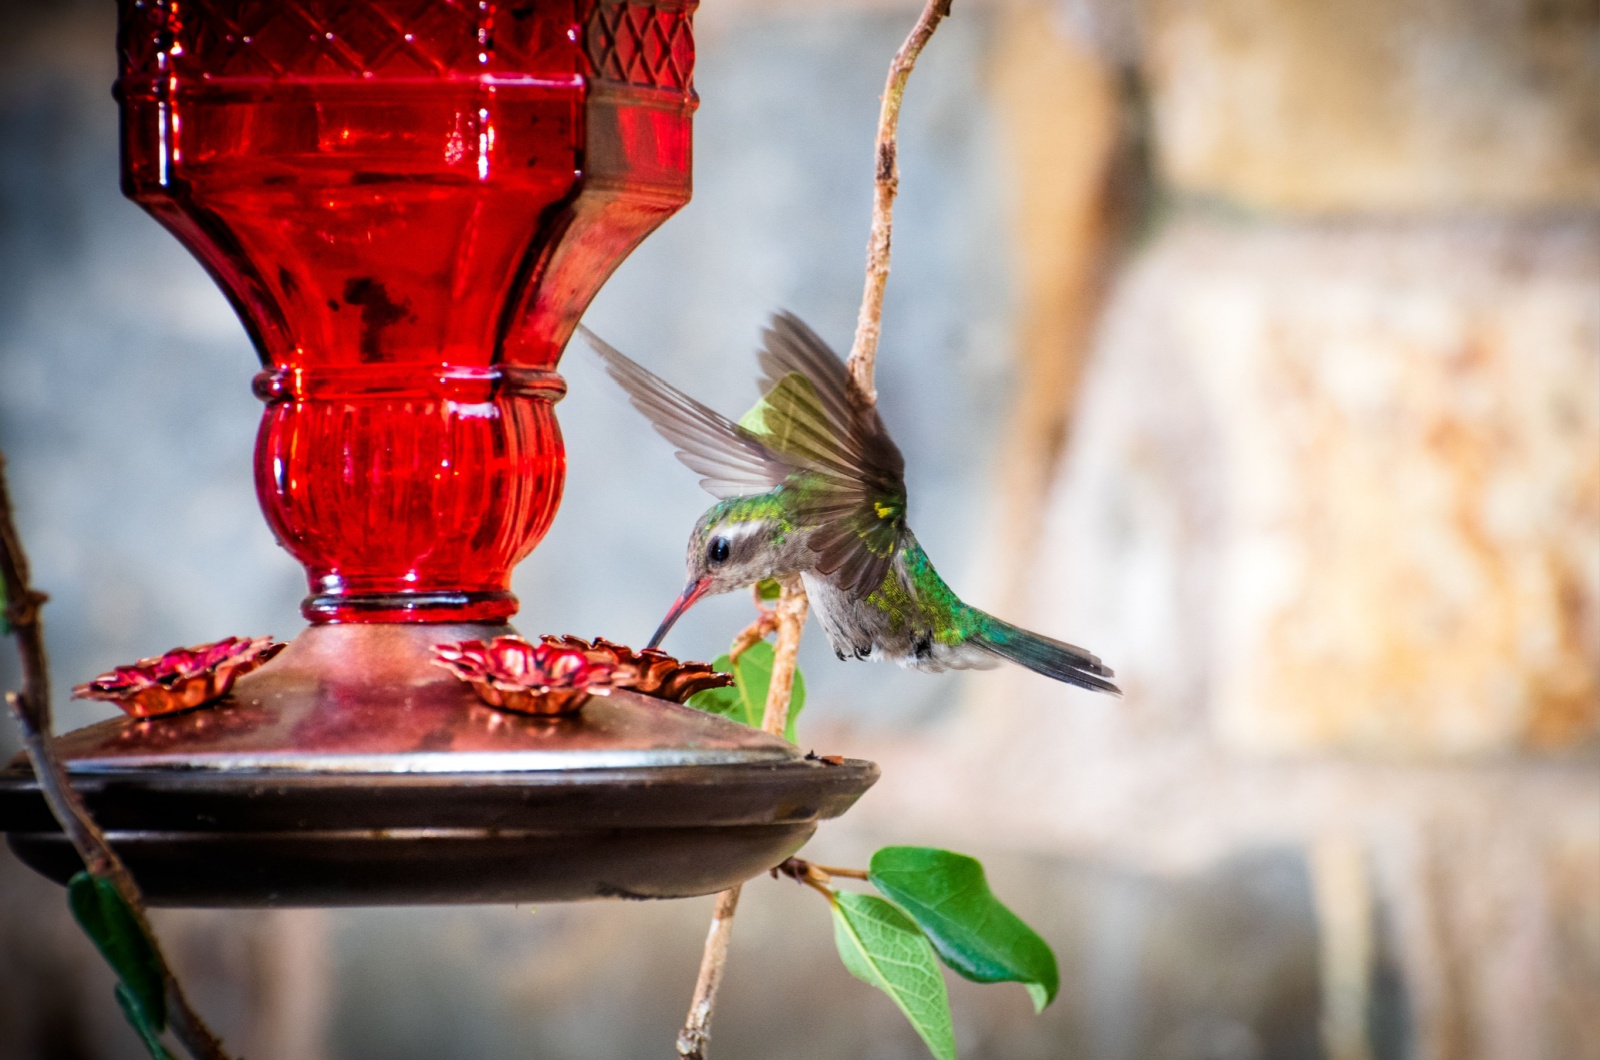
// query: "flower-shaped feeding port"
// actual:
[[513, 674], [558, 675], [651, 672], [182, 679]]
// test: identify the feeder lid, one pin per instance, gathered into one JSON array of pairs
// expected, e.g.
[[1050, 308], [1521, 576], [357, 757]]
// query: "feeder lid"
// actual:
[[368, 699]]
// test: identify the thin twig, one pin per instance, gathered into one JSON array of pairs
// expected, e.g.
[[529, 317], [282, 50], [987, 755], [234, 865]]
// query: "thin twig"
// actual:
[[790, 613], [791, 619], [766, 621], [31, 707], [810, 872], [885, 185], [696, 1030], [788, 618]]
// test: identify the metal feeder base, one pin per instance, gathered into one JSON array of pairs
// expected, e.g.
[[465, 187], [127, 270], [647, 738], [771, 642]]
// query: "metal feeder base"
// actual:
[[351, 771]]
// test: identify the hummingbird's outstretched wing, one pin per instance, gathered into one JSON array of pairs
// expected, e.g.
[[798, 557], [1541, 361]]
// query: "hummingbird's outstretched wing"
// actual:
[[806, 424], [732, 461], [859, 501]]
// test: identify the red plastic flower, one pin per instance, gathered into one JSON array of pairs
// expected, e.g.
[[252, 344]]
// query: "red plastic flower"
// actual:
[[651, 671], [181, 679], [511, 673]]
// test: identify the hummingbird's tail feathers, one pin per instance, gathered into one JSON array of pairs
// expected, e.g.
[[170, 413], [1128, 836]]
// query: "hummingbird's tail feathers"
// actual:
[[1042, 655]]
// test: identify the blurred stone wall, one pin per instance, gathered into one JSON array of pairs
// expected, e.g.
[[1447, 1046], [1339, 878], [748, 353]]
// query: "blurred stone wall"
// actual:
[[1331, 505], [1399, 107]]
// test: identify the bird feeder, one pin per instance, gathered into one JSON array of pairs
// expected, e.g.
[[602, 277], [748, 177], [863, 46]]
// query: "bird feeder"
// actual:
[[410, 204]]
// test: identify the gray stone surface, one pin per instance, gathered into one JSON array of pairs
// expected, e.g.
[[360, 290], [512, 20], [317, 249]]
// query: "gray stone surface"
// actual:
[[1379, 107]]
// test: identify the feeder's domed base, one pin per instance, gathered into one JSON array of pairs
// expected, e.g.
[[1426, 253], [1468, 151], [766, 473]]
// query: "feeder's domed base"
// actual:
[[350, 771]]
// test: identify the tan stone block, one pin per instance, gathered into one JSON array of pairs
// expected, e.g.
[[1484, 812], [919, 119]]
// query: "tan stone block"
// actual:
[[1411, 435], [1379, 105], [1346, 494]]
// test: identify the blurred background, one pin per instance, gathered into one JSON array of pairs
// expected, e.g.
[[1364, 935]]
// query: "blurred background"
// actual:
[[1254, 344]]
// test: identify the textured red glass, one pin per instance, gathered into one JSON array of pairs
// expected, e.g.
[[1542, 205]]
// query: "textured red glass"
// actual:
[[409, 203]]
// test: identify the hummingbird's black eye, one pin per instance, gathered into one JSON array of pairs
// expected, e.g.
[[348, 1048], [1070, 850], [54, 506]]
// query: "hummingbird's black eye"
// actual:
[[717, 551]]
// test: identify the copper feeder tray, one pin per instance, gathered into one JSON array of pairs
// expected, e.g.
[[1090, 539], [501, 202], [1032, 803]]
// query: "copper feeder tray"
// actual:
[[349, 771]]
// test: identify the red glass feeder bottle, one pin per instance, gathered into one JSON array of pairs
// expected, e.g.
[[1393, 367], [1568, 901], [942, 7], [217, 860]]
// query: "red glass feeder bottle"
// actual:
[[410, 203]]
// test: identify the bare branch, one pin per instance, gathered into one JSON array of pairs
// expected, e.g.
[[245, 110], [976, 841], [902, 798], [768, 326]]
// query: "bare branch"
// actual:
[[31, 707], [810, 872], [766, 621], [791, 619], [789, 616], [696, 1030], [886, 184]]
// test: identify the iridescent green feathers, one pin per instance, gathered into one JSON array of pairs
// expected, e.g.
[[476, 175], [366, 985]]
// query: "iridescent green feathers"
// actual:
[[843, 473], [812, 458]]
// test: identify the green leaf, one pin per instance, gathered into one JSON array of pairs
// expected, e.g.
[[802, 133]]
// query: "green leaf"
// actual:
[[140, 1020], [769, 588], [746, 701], [881, 947], [977, 936], [115, 931]]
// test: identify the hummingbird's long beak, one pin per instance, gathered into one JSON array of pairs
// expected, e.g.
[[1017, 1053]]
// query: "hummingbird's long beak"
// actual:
[[691, 592]]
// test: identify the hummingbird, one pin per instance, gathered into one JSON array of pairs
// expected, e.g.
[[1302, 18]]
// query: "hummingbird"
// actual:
[[809, 484]]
